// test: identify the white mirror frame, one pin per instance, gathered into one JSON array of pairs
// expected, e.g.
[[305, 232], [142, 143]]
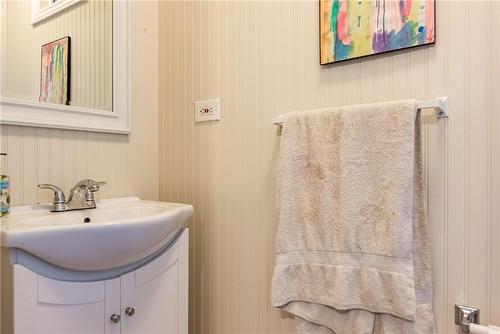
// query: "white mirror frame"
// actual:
[[47, 115], [38, 14]]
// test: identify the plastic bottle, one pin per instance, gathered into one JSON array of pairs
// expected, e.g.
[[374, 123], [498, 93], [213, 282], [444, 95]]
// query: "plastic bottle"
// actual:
[[4, 187]]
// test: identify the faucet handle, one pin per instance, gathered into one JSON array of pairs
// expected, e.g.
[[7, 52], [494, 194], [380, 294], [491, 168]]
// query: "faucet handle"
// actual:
[[95, 185], [92, 187], [89, 184], [59, 199]]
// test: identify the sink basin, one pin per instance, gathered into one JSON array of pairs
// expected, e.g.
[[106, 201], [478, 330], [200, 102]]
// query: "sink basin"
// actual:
[[119, 232]]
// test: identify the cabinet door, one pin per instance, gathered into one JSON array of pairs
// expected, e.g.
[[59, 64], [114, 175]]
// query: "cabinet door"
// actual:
[[158, 294], [47, 306]]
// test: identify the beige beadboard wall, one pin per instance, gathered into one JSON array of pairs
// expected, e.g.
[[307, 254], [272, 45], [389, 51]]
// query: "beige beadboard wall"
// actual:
[[129, 164], [89, 24], [262, 59]]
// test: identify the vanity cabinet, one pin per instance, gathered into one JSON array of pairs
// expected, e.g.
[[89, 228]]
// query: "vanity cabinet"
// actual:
[[151, 299]]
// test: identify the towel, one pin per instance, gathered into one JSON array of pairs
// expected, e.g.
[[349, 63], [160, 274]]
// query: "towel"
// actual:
[[353, 254], [477, 329]]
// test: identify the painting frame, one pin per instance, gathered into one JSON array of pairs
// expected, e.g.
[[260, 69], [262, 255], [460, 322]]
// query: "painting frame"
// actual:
[[374, 54], [66, 85]]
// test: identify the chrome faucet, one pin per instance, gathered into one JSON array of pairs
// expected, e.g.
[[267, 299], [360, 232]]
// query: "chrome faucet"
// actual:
[[81, 196]]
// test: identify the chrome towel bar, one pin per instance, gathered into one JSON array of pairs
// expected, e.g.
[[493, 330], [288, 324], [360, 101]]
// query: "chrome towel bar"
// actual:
[[440, 105]]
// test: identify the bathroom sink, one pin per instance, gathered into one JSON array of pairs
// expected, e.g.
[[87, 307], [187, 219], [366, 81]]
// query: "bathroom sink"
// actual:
[[119, 232]]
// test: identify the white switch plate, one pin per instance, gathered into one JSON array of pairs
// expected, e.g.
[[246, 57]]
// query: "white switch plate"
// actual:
[[208, 110]]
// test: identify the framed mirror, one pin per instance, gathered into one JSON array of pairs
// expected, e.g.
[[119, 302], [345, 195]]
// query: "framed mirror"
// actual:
[[65, 64], [42, 9]]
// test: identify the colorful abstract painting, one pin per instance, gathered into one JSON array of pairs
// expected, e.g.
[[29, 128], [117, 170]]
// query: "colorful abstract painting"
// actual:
[[54, 76], [357, 28]]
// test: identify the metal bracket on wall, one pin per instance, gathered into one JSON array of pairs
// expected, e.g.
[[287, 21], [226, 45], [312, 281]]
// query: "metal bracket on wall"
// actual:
[[466, 315]]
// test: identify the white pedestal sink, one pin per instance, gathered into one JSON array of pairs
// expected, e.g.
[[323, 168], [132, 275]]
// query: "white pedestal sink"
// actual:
[[119, 232]]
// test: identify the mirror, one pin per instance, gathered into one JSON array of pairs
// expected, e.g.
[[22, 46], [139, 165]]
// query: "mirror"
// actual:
[[42, 9], [66, 58], [44, 4], [64, 64]]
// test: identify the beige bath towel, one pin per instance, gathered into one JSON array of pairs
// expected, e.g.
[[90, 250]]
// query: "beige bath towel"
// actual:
[[353, 255]]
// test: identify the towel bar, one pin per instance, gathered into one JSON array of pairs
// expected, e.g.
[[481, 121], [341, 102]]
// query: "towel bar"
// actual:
[[440, 105]]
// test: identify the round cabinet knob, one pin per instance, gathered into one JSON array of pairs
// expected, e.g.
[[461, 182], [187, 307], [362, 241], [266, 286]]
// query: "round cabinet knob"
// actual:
[[115, 318], [130, 311]]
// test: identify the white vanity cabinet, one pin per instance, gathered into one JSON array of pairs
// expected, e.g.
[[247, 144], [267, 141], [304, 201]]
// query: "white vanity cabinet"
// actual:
[[43, 305], [151, 299]]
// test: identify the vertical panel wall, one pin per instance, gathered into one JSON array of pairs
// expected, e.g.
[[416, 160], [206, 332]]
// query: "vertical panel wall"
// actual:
[[262, 59]]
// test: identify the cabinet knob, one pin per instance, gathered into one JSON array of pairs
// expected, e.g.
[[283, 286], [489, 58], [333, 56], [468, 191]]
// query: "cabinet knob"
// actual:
[[115, 318], [130, 311]]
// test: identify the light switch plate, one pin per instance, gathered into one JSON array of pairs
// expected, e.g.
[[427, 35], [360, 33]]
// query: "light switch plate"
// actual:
[[208, 110]]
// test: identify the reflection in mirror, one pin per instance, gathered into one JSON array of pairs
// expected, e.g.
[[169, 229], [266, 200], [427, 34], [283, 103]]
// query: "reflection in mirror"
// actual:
[[43, 4], [39, 62]]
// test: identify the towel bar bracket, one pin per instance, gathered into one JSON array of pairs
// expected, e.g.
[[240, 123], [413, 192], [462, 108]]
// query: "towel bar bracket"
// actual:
[[440, 105], [466, 315]]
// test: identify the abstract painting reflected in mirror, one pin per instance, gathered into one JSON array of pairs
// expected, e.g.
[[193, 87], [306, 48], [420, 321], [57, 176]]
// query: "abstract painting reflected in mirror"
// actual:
[[357, 28], [54, 74]]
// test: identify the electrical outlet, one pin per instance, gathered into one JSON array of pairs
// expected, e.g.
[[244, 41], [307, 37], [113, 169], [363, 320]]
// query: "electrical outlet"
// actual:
[[208, 110]]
